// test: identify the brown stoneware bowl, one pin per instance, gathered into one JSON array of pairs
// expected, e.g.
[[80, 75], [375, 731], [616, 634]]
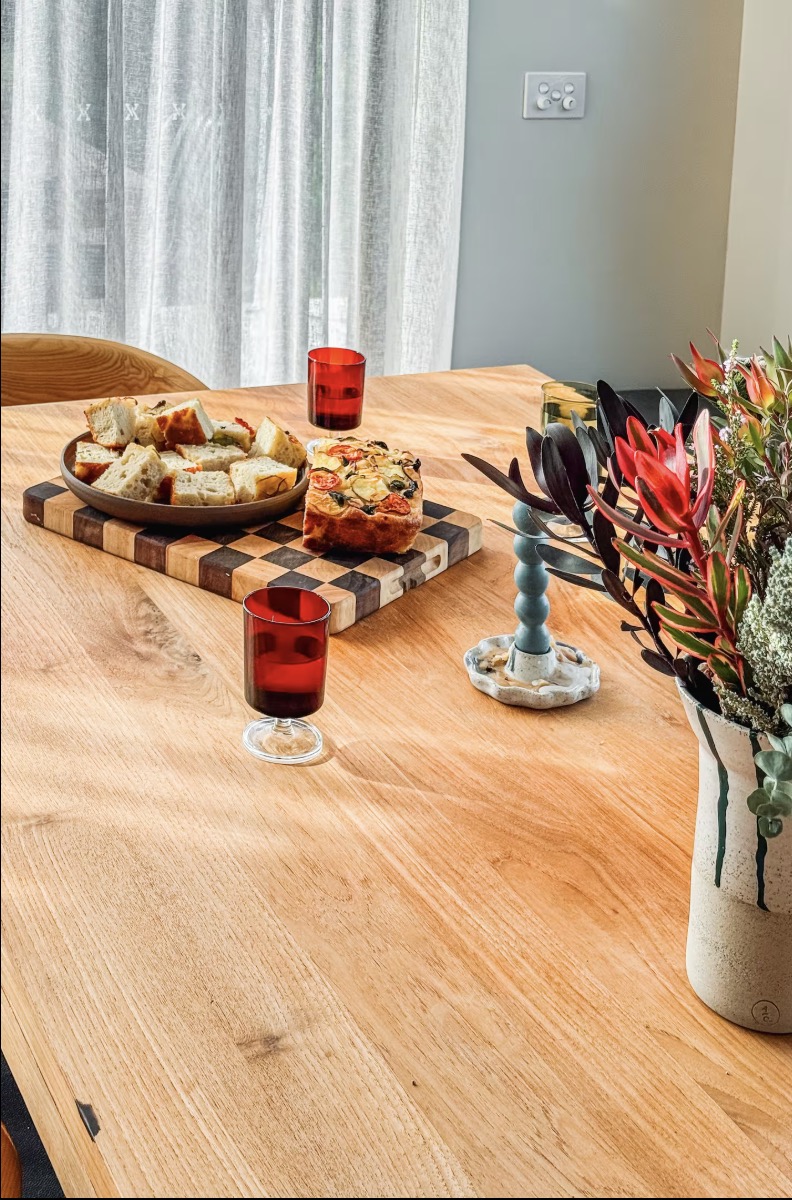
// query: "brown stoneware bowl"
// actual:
[[210, 516]]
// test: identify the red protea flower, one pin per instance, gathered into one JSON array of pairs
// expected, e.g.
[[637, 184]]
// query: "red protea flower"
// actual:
[[761, 391], [657, 443], [703, 375], [656, 466]]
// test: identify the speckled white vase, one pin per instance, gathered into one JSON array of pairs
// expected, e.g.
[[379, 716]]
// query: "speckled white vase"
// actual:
[[739, 948]]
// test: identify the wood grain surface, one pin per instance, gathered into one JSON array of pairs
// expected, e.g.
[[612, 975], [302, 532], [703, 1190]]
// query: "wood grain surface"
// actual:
[[39, 368], [447, 959]]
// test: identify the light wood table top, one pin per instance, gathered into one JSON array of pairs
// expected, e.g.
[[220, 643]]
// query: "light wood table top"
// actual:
[[445, 960]]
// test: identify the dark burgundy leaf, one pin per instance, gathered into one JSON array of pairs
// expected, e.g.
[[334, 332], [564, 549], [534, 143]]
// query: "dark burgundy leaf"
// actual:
[[696, 682], [533, 441], [589, 453], [618, 592], [610, 492], [668, 416], [632, 411], [613, 412], [654, 595], [565, 561], [626, 627], [513, 489], [580, 546], [603, 533], [689, 413], [573, 459], [584, 581], [558, 483], [508, 528], [663, 665], [601, 446]]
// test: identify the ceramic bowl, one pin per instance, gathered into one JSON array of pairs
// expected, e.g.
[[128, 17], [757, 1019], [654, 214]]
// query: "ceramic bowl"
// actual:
[[210, 516]]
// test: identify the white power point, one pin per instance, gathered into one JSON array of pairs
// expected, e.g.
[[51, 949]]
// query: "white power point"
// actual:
[[554, 95]]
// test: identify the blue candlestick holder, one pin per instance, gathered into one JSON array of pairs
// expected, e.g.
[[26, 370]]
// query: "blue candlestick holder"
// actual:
[[529, 668]]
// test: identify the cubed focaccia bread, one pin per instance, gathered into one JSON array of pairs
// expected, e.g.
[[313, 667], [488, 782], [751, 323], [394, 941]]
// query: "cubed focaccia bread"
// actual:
[[147, 431], [173, 464], [362, 497], [257, 478], [136, 475], [112, 421], [274, 442], [185, 424], [232, 433], [202, 488], [91, 461], [209, 457]]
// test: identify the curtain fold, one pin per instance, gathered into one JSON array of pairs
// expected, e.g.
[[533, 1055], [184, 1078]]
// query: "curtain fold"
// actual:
[[228, 182]]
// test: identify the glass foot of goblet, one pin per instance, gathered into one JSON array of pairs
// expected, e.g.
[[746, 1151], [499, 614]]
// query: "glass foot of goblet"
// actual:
[[282, 741]]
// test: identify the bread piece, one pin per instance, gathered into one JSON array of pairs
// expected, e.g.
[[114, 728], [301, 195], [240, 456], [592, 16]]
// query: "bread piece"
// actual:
[[173, 464], [362, 497], [91, 461], [147, 431], [257, 478], [231, 433], [202, 488], [136, 475], [185, 424], [112, 421], [210, 457], [274, 442]]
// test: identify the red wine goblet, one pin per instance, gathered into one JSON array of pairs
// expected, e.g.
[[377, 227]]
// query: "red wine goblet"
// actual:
[[286, 640]]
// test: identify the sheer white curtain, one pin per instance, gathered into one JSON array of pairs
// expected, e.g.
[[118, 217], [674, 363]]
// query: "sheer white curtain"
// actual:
[[226, 182]]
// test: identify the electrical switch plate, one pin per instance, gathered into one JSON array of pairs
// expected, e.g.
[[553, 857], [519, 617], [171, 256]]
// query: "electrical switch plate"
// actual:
[[554, 95]]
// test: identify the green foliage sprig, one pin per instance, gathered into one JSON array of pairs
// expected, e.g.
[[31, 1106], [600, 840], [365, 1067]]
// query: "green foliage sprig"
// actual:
[[773, 800]]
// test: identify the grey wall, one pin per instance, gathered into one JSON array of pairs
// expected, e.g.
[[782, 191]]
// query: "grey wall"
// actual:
[[592, 248]]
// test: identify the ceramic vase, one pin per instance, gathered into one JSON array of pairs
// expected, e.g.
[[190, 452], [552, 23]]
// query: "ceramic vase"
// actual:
[[739, 948]]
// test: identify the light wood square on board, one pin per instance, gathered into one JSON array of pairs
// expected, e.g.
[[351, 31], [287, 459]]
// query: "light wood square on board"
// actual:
[[342, 604], [436, 551], [473, 525], [253, 575], [118, 537], [182, 558], [257, 546], [390, 575], [59, 512], [321, 568], [294, 520]]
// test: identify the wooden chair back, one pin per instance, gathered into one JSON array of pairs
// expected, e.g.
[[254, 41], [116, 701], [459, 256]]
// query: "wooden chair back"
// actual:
[[43, 367], [10, 1169]]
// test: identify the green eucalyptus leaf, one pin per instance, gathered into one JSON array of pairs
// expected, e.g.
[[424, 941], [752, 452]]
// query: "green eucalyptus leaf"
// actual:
[[774, 763], [770, 827], [757, 797]]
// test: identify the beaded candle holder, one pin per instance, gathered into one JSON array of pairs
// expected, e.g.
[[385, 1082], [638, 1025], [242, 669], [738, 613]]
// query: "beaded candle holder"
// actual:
[[528, 668]]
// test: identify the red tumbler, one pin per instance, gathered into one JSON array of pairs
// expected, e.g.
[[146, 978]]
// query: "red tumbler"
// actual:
[[335, 388]]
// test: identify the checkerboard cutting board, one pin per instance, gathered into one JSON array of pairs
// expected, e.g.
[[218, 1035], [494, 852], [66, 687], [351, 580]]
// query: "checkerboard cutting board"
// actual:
[[235, 562]]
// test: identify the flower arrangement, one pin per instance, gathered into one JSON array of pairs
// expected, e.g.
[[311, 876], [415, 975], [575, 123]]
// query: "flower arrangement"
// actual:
[[688, 527]]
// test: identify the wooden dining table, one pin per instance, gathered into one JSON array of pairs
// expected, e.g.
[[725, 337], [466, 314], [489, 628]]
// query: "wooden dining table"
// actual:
[[445, 959]]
